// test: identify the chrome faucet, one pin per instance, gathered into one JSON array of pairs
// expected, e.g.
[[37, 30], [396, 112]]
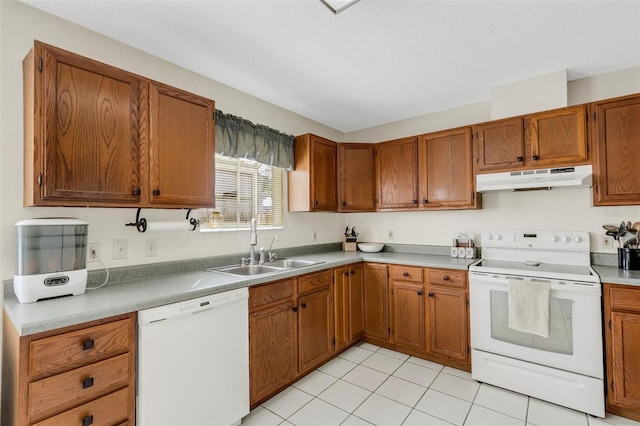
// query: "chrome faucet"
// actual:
[[253, 242], [272, 254]]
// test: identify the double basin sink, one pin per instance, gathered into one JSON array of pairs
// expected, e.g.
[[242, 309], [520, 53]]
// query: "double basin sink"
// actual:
[[279, 265]]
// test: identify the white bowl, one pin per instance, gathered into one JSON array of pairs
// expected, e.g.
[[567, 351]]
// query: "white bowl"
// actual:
[[370, 247]]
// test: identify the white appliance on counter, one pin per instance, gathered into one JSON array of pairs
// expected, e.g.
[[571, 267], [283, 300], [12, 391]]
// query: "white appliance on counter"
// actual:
[[565, 368], [193, 362]]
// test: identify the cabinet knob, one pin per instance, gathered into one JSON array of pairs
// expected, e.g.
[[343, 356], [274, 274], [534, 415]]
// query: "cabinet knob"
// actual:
[[430, 294], [353, 272], [87, 420], [135, 191], [405, 274], [88, 344], [294, 309], [414, 201], [344, 204], [315, 202], [304, 306], [87, 383], [346, 274], [424, 201], [419, 292], [535, 158], [520, 159], [446, 278], [156, 192]]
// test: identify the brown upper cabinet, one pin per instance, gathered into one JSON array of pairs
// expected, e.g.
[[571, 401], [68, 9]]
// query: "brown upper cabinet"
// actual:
[[446, 170], [397, 168], [615, 135], [314, 181], [499, 145], [356, 177], [553, 138], [96, 135]]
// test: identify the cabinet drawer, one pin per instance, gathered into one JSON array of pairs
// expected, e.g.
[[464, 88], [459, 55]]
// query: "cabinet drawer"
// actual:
[[626, 298], [267, 294], [406, 273], [447, 277], [112, 409], [77, 348], [314, 282], [64, 391]]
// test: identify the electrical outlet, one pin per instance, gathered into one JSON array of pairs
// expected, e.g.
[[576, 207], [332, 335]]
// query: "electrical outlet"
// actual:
[[390, 234], [315, 236], [151, 248], [94, 252], [606, 242], [120, 249]]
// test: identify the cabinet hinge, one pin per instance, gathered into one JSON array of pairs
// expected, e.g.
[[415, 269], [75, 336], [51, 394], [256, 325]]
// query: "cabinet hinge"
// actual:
[[609, 324], [40, 180], [611, 385], [333, 280], [333, 342], [40, 64], [595, 117], [596, 190]]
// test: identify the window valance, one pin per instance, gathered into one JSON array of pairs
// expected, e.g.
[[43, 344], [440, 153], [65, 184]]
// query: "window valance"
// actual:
[[240, 138]]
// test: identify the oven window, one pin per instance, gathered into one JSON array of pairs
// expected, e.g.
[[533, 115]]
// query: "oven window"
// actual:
[[560, 338]]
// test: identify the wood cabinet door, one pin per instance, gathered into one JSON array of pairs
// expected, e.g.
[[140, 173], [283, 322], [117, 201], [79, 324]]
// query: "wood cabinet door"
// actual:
[[341, 307], [273, 348], [181, 148], [624, 388], [356, 293], [376, 301], [315, 325], [83, 122], [558, 137], [446, 169], [616, 139], [356, 177], [447, 318], [409, 315], [499, 145], [324, 175], [397, 169]]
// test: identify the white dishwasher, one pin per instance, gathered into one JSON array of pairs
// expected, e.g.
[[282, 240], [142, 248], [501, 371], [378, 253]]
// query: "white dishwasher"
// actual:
[[193, 362]]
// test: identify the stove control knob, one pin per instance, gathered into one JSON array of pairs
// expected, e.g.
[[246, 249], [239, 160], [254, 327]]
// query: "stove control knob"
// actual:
[[555, 239], [499, 237], [566, 239], [490, 237], [578, 239]]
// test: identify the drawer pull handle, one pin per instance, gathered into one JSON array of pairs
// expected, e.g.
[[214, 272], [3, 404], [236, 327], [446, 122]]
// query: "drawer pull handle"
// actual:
[[156, 192], [446, 278], [87, 383], [405, 274], [87, 420], [535, 158], [520, 159], [88, 344]]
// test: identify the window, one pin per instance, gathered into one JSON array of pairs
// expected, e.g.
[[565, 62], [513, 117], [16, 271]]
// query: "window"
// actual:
[[244, 189]]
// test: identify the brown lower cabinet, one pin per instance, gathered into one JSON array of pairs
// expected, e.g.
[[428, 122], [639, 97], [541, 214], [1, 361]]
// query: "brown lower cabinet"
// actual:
[[83, 374], [398, 315], [622, 342], [347, 295]]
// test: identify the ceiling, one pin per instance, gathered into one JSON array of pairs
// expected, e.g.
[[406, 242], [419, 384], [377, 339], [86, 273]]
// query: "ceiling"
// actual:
[[377, 61]]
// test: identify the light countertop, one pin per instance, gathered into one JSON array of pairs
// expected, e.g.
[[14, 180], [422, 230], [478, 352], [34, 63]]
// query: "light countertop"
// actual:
[[131, 296]]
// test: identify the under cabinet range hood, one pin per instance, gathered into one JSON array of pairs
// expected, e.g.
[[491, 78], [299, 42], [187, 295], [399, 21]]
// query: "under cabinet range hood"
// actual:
[[524, 180]]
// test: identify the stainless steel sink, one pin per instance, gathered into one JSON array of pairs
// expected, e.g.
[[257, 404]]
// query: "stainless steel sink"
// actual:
[[290, 263], [279, 265], [247, 270]]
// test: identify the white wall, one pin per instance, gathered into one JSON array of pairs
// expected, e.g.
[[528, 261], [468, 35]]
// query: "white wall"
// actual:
[[21, 24]]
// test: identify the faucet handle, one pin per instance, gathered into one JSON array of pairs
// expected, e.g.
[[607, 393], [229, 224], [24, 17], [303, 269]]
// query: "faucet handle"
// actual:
[[244, 261], [272, 256], [261, 261]]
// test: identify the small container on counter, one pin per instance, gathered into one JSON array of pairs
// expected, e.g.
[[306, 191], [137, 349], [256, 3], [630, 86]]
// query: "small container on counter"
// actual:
[[629, 259]]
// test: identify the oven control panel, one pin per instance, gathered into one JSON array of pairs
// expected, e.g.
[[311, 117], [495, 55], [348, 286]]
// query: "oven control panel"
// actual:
[[536, 239]]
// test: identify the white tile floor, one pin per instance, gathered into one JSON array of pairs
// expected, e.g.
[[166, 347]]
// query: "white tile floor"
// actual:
[[368, 385]]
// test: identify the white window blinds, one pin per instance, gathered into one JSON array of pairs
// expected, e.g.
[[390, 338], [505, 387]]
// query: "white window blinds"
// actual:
[[245, 189]]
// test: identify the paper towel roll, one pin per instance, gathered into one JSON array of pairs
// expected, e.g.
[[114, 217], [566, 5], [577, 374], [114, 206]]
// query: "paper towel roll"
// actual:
[[182, 225]]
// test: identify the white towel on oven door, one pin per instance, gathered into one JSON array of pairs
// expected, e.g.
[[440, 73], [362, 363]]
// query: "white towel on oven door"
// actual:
[[529, 306]]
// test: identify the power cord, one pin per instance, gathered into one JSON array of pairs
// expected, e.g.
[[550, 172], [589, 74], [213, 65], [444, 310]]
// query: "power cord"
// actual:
[[106, 278]]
